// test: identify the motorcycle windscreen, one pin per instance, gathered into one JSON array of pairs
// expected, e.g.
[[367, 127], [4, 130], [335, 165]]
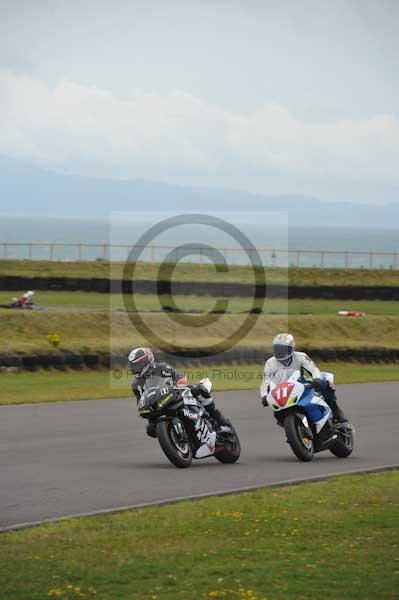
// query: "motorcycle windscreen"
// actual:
[[157, 381]]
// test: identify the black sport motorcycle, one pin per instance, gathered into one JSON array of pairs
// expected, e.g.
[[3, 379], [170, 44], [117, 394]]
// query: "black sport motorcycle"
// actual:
[[184, 428]]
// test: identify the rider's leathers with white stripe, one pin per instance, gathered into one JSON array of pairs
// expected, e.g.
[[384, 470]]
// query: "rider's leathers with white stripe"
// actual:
[[276, 372]]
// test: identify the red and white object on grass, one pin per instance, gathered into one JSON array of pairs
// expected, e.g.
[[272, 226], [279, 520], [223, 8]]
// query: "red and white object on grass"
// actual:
[[351, 313]]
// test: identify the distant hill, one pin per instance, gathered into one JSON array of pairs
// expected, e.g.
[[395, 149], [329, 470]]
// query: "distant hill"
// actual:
[[31, 190]]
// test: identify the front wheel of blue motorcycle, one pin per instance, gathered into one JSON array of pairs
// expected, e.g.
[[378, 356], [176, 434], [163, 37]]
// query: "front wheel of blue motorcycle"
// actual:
[[299, 437]]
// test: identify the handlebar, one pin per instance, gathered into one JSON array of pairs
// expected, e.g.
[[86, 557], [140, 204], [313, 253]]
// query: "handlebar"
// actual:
[[308, 384]]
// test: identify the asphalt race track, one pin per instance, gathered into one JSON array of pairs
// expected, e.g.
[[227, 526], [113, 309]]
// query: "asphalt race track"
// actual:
[[81, 457]]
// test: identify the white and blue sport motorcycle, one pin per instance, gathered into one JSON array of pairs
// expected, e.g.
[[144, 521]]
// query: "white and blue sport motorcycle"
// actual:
[[307, 418]]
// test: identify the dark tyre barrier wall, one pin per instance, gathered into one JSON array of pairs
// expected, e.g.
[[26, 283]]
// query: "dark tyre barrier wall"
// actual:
[[199, 288], [73, 360], [11, 361], [91, 360], [326, 292], [118, 360]]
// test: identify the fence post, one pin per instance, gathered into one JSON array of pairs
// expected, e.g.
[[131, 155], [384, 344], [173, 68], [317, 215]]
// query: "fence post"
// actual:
[[367, 258]]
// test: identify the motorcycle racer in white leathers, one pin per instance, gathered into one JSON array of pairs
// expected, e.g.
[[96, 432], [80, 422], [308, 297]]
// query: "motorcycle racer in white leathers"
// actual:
[[285, 362]]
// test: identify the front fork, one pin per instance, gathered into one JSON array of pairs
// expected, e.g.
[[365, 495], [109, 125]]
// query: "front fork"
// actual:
[[305, 422], [302, 417], [179, 429]]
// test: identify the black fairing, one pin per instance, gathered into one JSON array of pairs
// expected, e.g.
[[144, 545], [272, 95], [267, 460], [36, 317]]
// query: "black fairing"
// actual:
[[155, 398], [324, 438], [160, 402]]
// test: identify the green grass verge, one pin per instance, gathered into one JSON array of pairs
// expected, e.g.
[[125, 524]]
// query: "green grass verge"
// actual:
[[53, 386], [337, 539], [93, 300], [26, 331], [205, 272]]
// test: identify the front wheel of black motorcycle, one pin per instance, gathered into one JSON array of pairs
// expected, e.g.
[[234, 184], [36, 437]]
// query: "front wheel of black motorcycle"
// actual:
[[230, 451], [175, 445], [299, 438]]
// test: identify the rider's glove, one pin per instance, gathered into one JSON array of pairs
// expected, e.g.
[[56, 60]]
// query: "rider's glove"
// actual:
[[198, 389], [264, 401], [317, 384]]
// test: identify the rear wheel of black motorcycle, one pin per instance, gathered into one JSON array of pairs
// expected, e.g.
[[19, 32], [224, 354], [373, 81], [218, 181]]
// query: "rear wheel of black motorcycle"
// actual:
[[343, 445], [231, 450], [176, 449], [298, 438]]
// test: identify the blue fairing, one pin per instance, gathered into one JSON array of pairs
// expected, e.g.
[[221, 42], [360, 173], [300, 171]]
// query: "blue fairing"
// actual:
[[314, 412]]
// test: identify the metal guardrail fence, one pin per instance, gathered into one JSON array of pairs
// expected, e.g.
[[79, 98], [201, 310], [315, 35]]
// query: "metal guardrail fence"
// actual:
[[272, 257]]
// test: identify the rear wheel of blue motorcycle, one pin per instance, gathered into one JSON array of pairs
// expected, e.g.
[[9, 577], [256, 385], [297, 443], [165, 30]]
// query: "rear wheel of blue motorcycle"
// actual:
[[177, 449], [298, 438], [343, 446]]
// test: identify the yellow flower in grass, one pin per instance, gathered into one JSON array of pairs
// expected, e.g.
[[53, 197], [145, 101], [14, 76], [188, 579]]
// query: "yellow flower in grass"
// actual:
[[248, 594], [54, 339]]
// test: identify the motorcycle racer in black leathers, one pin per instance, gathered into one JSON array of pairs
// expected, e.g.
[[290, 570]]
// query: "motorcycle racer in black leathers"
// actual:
[[143, 366]]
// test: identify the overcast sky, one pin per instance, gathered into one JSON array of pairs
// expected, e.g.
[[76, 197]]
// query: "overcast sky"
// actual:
[[270, 96]]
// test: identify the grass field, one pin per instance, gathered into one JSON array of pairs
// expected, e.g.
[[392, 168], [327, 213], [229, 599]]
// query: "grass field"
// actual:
[[93, 300], [28, 330], [55, 386], [334, 540], [205, 272]]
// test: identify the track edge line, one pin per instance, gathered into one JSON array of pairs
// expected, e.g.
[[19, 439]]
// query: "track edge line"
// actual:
[[166, 501]]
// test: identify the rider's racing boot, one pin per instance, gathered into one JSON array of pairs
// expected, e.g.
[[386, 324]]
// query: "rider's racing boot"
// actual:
[[331, 399], [338, 414], [151, 430]]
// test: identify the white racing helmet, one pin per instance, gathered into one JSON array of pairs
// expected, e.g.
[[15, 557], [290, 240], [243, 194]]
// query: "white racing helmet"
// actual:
[[29, 294], [284, 347]]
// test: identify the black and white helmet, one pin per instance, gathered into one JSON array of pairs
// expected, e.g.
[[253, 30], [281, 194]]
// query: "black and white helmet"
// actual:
[[284, 347], [141, 359]]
